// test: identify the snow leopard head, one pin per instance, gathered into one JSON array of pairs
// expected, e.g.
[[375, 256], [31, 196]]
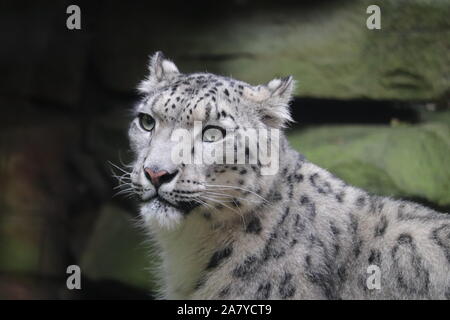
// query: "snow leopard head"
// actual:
[[178, 127]]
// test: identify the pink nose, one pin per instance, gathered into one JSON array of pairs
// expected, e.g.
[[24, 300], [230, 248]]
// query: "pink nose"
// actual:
[[154, 177]]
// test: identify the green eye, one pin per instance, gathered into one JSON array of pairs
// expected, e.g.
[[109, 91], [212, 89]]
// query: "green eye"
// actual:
[[213, 134], [146, 121]]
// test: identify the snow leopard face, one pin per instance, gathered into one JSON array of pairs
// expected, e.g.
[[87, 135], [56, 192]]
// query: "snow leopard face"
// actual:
[[192, 137]]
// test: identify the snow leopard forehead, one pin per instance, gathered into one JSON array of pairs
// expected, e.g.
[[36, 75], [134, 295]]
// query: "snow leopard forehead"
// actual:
[[181, 99], [193, 97]]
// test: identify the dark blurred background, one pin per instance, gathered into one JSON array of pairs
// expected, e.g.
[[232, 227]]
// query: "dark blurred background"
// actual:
[[372, 106]]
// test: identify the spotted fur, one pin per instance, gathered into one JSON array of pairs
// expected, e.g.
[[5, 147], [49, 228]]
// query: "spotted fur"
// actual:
[[226, 231]]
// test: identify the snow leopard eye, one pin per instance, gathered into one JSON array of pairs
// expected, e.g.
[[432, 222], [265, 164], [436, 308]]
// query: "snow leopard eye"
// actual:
[[146, 121], [213, 134]]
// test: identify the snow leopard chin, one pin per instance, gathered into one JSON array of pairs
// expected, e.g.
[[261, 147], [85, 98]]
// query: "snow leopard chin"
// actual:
[[165, 214]]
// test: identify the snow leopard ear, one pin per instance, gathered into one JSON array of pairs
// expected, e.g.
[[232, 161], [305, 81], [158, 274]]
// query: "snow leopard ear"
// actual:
[[273, 99], [161, 69]]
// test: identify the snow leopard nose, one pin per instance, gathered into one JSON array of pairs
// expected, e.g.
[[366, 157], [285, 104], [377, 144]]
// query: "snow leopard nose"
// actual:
[[159, 177]]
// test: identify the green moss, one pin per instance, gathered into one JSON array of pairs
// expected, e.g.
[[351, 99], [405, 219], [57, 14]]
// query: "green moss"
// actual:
[[18, 255]]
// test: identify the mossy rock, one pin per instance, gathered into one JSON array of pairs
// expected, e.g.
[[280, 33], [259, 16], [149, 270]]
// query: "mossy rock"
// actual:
[[411, 161], [328, 48], [325, 45]]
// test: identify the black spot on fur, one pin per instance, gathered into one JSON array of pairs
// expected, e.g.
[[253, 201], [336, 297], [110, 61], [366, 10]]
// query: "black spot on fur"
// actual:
[[219, 256], [356, 240], [287, 289], [375, 257], [310, 207], [380, 228], [322, 277], [412, 275], [263, 292], [254, 226], [207, 111], [247, 268], [360, 201], [342, 273], [405, 238], [441, 236], [376, 204], [224, 292], [334, 229], [298, 177], [340, 197], [275, 196], [200, 283], [323, 187], [273, 248], [304, 200]]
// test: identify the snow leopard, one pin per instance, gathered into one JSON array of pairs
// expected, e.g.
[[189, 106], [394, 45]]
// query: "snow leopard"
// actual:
[[225, 230]]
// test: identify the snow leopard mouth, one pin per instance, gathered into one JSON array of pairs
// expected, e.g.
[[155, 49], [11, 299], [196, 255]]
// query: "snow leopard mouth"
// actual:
[[184, 206]]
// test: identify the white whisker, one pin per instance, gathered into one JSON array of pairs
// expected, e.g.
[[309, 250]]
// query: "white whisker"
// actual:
[[221, 202], [218, 186]]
